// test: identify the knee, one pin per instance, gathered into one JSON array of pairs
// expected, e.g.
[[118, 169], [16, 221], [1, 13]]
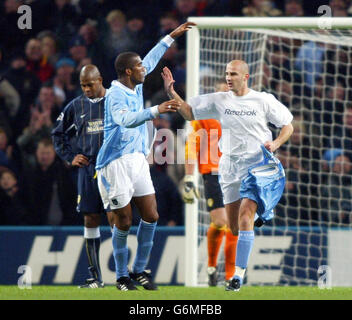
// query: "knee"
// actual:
[[152, 216], [122, 221], [245, 219], [91, 220], [219, 222]]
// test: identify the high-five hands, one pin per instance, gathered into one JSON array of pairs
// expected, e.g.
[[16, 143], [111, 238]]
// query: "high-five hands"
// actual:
[[168, 80], [169, 106]]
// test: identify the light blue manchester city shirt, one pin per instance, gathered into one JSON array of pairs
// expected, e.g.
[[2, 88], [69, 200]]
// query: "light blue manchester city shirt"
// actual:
[[125, 128]]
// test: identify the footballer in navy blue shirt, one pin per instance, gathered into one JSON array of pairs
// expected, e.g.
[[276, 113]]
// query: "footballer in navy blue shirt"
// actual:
[[78, 136]]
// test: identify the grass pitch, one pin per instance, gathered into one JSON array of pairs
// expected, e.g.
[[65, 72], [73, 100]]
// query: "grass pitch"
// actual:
[[174, 293]]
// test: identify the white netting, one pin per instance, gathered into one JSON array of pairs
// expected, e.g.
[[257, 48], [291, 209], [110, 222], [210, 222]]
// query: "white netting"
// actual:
[[310, 71]]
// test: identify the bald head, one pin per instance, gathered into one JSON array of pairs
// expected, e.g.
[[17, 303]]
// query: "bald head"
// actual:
[[90, 71], [91, 82], [237, 75], [240, 65]]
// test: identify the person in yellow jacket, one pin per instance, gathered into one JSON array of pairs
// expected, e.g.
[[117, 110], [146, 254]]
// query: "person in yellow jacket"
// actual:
[[202, 147]]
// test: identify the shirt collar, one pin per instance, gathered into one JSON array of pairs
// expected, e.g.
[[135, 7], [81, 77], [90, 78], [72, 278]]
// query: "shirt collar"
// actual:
[[122, 86]]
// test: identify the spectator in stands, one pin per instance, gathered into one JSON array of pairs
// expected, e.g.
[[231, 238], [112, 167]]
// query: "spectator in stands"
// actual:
[[167, 23], [284, 92], [51, 191], [36, 62], [295, 198], [13, 202], [43, 115], [96, 50], [79, 54], [342, 137], [309, 61], [27, 85], [336, 200], [293, 8], [49, 46], [64, 87], [184, 9], [261, 8], [10, 155], [117, 39], [137, 32], [220, 8], [330, 112], [64, 20], [339, 8], [9, 99]]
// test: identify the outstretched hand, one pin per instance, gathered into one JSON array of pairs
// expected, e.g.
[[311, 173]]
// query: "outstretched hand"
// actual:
[[180, 30], [169, 106], [168, 79]]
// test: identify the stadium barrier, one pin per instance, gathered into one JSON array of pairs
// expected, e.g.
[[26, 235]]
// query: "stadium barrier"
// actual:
[[56, 255]]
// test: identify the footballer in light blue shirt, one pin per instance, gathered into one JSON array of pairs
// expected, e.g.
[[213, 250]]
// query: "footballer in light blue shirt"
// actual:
[[122, 168]]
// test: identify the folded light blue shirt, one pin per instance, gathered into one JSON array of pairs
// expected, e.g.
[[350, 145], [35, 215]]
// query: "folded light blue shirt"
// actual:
[[264, 184]]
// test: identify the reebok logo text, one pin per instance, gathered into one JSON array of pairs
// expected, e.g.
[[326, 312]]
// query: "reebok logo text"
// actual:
[[240, 113]]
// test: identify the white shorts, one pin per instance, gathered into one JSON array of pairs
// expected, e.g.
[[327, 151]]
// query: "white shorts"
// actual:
[[124, 178], [231, 174]]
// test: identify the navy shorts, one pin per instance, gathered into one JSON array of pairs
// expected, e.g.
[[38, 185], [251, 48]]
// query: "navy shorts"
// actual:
[[212, 192], [88, 199]]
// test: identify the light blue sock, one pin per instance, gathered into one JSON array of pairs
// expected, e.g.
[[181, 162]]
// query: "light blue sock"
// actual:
[[244, 248], [145, 235], [120, 252]]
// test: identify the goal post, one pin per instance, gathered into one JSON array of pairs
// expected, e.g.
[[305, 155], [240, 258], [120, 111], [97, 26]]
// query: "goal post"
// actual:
[[210, 45]]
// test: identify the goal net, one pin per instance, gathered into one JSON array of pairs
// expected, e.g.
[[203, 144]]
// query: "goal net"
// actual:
[[310, 71]]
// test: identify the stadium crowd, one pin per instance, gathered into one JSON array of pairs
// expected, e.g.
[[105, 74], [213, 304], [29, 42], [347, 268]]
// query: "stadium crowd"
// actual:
[[39, 75]]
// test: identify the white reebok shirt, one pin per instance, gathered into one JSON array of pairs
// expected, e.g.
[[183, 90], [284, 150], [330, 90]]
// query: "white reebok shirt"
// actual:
[[244, 119]]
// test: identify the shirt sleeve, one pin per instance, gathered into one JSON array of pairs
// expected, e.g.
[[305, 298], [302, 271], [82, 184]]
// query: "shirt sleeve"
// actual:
[[64, 129], [123, 116], [204, 107], [276, 112], [154, 55]]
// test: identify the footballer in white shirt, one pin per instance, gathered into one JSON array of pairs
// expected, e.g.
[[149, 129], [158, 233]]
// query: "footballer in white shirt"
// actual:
[[244, 115]]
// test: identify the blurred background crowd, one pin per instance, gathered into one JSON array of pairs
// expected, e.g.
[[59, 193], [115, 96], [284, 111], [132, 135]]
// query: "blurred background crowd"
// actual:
[[39, 70]]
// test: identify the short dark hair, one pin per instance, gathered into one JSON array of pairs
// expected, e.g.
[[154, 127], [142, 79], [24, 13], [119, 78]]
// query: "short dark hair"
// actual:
[[46, 142], [124, 61]]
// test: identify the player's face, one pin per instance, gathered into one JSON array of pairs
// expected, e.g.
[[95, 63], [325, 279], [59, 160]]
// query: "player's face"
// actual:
[[91, 87], [138, 71], [235, 77]]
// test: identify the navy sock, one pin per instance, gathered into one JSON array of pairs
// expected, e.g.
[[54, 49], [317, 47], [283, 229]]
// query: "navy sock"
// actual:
[[92, 249]]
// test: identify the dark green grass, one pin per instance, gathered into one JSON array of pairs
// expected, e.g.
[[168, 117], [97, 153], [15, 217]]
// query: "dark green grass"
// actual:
[[174, 293]]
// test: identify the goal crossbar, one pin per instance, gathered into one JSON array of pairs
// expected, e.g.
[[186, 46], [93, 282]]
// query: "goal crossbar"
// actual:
[[270, 22]]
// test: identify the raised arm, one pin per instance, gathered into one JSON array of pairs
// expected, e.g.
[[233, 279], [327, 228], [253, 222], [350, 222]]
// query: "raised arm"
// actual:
[[185, 109], [154, 55]]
